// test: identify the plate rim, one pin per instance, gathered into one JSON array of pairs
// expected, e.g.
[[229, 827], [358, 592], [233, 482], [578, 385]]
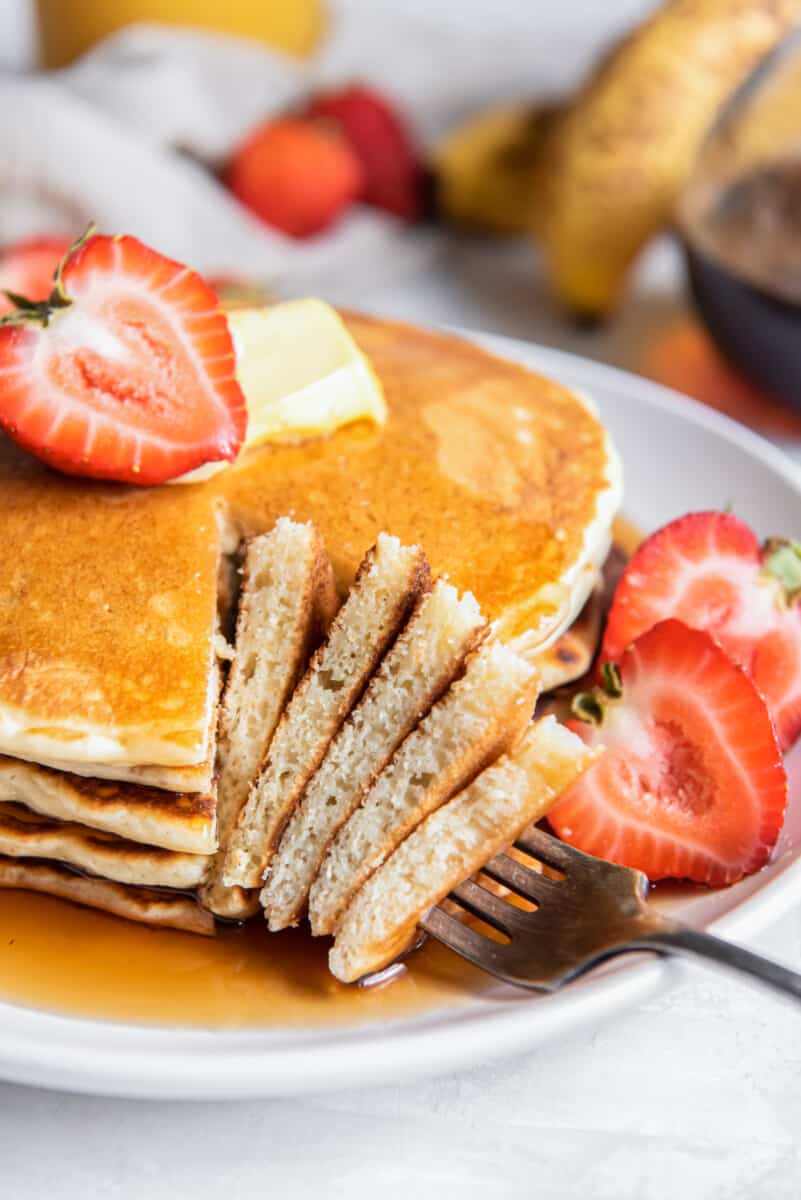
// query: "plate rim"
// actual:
[[108, 1058]]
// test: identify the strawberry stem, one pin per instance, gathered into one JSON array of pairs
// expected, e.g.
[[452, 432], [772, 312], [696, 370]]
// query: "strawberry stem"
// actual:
[[781, 560], [592, 706], [39, 312]]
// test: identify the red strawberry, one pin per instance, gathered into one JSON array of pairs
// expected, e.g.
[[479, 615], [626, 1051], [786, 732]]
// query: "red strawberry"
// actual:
[[126, 372], [383, 144], [27, 268], [692, 784], [707, 569], [295, 175]]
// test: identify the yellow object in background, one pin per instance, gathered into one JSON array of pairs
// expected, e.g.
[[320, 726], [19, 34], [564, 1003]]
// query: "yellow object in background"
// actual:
[[617, 159], [485, 168], [69, 27]]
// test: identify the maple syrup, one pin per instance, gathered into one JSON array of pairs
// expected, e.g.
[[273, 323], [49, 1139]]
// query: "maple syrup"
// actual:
[[78, 962]]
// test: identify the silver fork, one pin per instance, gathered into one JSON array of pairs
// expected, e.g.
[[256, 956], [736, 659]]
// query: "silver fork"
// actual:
[[593, 913]]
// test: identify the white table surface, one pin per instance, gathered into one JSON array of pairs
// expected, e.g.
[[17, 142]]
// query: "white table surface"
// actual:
[[694, 1094]]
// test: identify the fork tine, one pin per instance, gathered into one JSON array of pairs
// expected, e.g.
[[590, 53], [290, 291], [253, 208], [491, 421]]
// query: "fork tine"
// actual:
[[490, 908], [521, 879], [548, 849], [460, 937]]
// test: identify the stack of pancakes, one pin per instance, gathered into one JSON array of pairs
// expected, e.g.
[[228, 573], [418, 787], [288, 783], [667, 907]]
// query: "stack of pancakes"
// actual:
[[129, 784]]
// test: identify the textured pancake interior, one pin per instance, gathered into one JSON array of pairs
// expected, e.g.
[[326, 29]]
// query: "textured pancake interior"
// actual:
[[287, 602], [424, 660], [481, 716], [390, 581], [452, 844]]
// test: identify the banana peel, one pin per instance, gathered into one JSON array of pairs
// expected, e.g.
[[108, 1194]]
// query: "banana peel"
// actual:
[[617, 158], [484, 168]]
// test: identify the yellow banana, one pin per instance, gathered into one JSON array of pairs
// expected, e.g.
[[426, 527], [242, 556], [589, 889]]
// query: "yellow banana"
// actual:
[[617, 158], [484, 168]]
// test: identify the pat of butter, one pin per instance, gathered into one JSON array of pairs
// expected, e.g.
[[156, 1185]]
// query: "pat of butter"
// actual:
[[302, 375]]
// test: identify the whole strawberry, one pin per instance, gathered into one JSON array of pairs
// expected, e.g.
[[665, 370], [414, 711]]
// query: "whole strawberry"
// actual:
[[383, 144], [297, 175]]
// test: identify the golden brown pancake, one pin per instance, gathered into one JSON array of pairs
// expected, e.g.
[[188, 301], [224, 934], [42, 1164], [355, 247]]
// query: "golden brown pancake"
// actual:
[[146, 905], [108, 593], [25, 834], [506, 478], [176, 821]]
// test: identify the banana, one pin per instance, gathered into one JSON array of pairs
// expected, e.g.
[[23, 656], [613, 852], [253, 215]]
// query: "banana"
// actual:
[[617, 158], [484, 168]]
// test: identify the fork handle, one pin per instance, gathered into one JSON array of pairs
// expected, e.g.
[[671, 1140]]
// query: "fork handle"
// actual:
[[669, 937]]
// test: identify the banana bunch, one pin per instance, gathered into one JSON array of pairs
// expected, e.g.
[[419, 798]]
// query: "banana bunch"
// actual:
[[600, 176]]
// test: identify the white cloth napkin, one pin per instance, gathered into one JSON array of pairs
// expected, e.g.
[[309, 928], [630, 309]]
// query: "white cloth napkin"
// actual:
[[127, 136]]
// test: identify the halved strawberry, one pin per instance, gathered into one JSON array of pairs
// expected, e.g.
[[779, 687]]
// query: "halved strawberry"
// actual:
[[125, 372], [708, 570], [692, 784], [27, 268]]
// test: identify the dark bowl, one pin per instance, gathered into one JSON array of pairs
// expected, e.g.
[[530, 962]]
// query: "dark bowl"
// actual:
[[758, 332]]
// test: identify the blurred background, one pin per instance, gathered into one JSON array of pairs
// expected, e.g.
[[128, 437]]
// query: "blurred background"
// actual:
[[622, 179]]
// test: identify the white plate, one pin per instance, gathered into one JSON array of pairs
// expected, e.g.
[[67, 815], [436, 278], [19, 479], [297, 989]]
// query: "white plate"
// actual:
[[677, 456]]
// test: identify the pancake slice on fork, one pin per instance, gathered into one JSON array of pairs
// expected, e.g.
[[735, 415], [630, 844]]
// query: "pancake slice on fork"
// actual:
[[389, 584], [424, 660], [286, 604], [452, 844], [481, 716]]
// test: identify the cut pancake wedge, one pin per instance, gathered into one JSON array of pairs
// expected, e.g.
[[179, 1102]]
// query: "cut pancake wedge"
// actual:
[[145, 905], [423, 662], [23, 834], [481, 716], [182, 821], [452, 844], [287, 602], [389, 583]]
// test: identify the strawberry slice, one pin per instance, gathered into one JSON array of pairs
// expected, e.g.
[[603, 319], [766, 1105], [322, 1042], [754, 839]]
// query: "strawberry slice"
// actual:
[[125, 372], [692, 784], [27, 268], [708, 570]]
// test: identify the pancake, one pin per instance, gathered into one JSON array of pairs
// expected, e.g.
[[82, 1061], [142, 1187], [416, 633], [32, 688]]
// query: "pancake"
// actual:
[[508, 480], [572, 654], [426, 658], [145, 905], [286, 604], [390, 582], [176, 821], [108, 594], [24, 834], [480, 717], [453, 843]]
